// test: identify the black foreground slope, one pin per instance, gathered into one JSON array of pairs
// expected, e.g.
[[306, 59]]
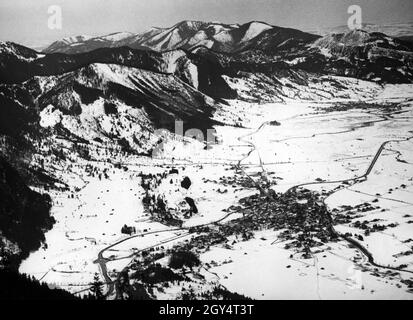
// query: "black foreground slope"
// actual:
[[24, 216], [15, 286]]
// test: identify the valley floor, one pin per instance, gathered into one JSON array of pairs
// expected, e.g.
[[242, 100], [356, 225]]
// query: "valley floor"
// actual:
[[327, 145]]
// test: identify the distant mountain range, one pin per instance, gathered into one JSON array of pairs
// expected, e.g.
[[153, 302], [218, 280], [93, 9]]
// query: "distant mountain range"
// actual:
[[402, 31], [213, 35], [183, 72], [185, 35], [254, 46], [117, 89]]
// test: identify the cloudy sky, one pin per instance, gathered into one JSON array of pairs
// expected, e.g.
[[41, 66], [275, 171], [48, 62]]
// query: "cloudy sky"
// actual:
[[25, 21]]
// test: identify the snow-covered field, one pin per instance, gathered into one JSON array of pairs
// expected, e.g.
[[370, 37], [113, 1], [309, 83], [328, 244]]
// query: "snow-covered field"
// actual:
[[262, 269], [313, 142]]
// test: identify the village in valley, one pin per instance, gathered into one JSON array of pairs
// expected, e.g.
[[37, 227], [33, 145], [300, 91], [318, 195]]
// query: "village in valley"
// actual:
[[182, 226]]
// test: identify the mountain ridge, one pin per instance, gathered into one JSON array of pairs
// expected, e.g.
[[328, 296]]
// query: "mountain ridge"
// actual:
[[182, 35]]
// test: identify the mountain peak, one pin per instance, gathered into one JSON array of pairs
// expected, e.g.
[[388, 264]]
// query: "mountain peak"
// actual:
[[191, 24], [189, 34], [76, 39], [185, 34], [17, 50]]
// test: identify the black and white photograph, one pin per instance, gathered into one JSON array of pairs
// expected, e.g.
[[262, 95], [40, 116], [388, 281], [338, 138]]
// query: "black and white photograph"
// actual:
[[206, 150]]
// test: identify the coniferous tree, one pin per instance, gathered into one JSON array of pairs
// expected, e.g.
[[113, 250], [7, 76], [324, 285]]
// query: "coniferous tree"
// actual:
[[96, 288]]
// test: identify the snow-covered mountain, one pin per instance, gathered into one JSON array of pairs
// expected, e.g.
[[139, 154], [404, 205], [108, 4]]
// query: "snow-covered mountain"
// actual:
[[358, 54], [258, 46], [183, 35], [77, 44], [395, 30], [140, 90], [121, 95], [108, 103], [55, 46], [372, 56], [185, 84]]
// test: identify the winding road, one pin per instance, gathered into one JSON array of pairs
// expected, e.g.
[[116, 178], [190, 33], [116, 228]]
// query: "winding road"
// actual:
[[101, 260]]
